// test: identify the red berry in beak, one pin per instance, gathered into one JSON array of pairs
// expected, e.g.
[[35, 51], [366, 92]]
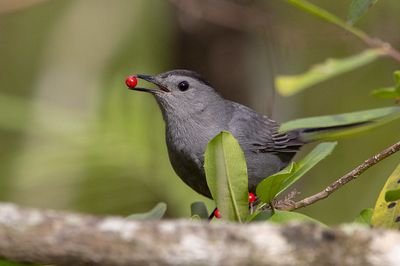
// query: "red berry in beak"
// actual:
[[252, 197], [217, 214], [131, 81]]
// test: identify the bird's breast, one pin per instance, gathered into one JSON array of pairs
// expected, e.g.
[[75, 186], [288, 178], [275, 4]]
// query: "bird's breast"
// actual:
[[186, 145]]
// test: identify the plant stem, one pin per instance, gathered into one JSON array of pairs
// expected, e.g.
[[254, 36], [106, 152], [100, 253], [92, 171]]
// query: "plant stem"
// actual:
[[346, 178]]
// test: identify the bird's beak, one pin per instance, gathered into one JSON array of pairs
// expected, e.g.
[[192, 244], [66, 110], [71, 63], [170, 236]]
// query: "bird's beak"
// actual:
[[150, 79]]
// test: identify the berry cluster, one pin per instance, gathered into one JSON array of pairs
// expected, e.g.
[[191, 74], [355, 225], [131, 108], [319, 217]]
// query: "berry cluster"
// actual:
[[252, 198]]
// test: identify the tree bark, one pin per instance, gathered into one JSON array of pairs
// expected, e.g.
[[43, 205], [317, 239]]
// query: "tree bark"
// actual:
[[52, 237]]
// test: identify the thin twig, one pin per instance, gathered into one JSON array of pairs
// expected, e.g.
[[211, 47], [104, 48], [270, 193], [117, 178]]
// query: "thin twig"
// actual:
[[387, 48], [346, 178]]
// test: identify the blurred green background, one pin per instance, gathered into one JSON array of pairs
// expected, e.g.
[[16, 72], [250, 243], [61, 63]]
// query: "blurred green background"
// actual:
[[73, 137]]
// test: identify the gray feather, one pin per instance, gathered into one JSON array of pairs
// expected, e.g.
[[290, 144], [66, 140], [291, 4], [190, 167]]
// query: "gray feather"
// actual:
[[196, 114]]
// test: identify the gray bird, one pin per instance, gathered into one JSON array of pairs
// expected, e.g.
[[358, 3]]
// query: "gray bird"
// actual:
[[194, 113]]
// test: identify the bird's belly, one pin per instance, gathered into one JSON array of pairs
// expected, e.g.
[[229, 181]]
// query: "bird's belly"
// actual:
[[187, 159], [190, 169]]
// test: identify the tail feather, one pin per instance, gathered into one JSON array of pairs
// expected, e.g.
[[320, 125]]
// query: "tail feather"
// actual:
[[337, 126], [335, 132], [332, 132]]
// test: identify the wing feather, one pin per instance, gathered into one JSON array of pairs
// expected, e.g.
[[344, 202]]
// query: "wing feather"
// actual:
[[258, 133]]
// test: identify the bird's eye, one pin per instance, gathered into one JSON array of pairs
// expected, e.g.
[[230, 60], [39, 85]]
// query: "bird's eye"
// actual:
[[183, 85]]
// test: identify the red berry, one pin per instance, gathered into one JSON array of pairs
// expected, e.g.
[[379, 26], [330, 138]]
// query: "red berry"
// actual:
[[217, 214], [131, 81], [252, 197]]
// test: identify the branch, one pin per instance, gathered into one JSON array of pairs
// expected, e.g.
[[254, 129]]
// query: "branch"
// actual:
[[346, 178], [58, 238]]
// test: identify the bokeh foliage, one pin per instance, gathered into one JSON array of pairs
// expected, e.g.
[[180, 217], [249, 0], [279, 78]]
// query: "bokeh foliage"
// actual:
[[73, 137]]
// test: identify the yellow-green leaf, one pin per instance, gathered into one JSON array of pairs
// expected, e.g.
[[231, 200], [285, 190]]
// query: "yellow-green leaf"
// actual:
[[226, 174], [389, 92], [386, 93], [289, 85], [396, 76], [4, 262], [387, 214]]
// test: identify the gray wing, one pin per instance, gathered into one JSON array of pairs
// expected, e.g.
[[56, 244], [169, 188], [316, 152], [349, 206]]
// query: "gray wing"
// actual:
[[257, 133]]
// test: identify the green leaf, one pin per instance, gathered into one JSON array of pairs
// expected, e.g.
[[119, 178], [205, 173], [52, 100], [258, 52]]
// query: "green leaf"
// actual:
[[154, 214], [259, 216], [396, 76], [358, 8], [329, 17], [273, 185], [387, 214], [364, 217], [376, 117], [283, 217], [226, 174], [390, 92], [392, 195], [386, 93], [199, 209], [290, 85]]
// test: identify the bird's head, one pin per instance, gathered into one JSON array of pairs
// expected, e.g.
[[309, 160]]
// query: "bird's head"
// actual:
[[180, 91]]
